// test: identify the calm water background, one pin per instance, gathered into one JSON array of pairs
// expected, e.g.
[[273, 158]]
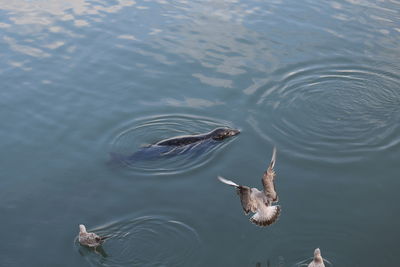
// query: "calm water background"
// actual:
[[318, 79]]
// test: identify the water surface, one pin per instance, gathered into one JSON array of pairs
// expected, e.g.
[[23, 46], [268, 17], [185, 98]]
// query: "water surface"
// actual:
[[318, 79]]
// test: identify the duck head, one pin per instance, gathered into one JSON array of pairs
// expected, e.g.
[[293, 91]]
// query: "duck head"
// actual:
[[82, 229], [222, 133]]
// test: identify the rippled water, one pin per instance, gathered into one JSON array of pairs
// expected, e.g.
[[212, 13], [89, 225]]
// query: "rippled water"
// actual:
[[145, 241], [131, 145], [82, 79], [341, 108]]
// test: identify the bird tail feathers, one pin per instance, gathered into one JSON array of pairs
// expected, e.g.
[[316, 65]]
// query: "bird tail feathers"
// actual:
[[266, 217], [104, 237]]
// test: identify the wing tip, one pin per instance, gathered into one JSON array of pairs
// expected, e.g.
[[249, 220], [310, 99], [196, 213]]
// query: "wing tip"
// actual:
[[226, 181], [273, 158]]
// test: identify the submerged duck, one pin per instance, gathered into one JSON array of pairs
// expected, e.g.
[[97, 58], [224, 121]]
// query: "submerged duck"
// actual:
[[259, 202]]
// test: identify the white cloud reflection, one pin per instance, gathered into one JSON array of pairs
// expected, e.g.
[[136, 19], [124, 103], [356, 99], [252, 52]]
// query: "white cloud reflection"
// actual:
[[4, 25], [18, 64], [81, 23], [215, 34], [24, 49], [34, 12], [192, 102], [188, 102], [217, 82], [127, 37], [35, 22], [54, 45]]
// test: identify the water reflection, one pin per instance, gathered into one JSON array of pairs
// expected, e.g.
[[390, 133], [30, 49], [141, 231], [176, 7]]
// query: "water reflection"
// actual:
[[192, 102], [46, 12], [33, 28], [25, 49], [313, 77], [215, 36]]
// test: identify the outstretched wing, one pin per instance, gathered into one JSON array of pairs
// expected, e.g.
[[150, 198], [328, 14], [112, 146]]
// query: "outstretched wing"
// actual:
[[268, 179], [248, 204], [226, 181], [244, 193]]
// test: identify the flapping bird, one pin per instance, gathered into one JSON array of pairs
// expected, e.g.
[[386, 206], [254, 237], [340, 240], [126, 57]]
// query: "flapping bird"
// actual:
[[91, 240], [260, 202], [318, 261]]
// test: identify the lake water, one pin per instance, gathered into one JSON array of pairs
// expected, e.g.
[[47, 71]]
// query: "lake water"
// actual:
[[80, 79]]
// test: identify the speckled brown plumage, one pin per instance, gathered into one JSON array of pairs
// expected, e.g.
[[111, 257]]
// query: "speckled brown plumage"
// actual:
[[259, 202]]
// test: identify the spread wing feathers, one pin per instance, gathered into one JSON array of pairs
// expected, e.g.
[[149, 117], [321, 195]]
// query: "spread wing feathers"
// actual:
[[268, 178], [244, 193], [248, 203], [266, 215], [228, 182]]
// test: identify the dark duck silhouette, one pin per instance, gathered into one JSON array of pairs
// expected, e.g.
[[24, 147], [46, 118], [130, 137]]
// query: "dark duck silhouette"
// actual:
[[177, 145]]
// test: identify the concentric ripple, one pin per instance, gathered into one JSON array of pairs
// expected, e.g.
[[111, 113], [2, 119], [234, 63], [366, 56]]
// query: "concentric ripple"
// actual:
[[307, 261], [149, 130], [330, 111], [145, 241]]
